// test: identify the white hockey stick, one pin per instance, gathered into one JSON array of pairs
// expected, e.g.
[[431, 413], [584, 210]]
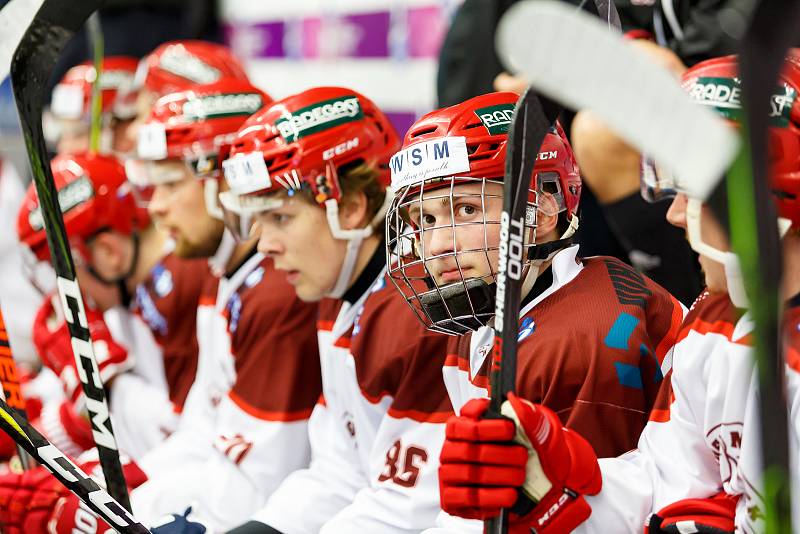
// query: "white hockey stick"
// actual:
[[570, 55], [15, 18]]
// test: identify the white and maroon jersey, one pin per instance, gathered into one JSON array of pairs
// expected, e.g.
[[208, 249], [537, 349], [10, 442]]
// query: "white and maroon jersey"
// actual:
[[244, 424], [703, 436], [594, 345], [377, 432], [160, 333], [791, 344]]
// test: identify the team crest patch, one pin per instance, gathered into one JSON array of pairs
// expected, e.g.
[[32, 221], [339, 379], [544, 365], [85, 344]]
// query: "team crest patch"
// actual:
[[162, 281], [254, 277], [318, 117], [527, 328], [497, 119]]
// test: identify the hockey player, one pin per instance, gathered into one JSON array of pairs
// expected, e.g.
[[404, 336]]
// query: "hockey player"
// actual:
[[244, 426], [594, 334], [697, 466], [137, 298], [313, 171], [70, 107]]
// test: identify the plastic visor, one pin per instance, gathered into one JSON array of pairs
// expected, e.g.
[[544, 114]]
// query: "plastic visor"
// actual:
[[656, 183]]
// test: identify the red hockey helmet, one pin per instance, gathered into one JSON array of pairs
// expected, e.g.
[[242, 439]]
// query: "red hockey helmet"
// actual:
[[94, 196], [715, 83], [195, 127], [301, 142], [483, 123], [181, 65], [453, 153], [73, 95]]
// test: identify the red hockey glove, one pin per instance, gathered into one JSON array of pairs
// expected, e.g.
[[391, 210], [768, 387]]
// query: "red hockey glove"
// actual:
[[54, 345], [28, 500], [542, 477], [36, 503], [714, 515], [65, 428]]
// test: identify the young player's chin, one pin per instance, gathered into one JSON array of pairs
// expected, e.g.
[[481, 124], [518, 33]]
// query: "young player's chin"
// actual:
[[714, 275]]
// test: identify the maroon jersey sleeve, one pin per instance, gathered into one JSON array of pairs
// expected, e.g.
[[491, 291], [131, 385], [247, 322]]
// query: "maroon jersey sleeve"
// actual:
[[167, 301], [593, 352], [274, 342], [397, 356]]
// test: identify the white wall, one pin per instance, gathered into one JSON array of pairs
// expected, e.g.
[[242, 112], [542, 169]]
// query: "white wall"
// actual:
[[386, 49]]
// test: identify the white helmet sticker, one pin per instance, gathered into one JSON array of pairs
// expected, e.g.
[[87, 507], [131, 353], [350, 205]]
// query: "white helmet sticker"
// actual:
[[152, 141], [246, 173], [67, 101], [430, 159]]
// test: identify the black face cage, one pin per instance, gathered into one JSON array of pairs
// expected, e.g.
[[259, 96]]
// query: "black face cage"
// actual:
[[468, 303]]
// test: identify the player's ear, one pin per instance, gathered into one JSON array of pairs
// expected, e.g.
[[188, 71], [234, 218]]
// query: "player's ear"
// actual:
[[111, 250], [353, 210]]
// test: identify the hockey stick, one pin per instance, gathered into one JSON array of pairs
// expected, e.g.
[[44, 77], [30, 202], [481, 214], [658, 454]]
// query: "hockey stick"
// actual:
[[753, 226], [69, 474], [97, 45], [12, 392], [52, 27], [533, 117], [570, 56]]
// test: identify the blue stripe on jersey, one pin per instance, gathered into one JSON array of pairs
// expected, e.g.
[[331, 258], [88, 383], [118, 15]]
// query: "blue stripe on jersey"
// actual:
[[621, 330]]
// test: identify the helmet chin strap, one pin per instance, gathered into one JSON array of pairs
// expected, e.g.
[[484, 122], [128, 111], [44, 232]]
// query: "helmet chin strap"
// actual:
[[219, 260], [547, 253], [728, 260], [227, 243], [354, 240]]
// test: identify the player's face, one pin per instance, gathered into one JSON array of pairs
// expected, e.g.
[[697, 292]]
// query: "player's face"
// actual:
[[297, 236], [712, 234], [74, 137], [460, 232], [179, 209]]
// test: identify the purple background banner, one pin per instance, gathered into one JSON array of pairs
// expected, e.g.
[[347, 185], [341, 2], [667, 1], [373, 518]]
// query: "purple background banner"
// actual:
[[346, 35]]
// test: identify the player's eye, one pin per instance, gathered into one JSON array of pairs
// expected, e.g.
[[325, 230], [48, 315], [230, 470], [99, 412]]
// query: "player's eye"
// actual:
[[466, 211], [427, 220], [279, 219]]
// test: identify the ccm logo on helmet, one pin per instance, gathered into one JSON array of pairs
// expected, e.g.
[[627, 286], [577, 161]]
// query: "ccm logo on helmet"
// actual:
[[340, 149]]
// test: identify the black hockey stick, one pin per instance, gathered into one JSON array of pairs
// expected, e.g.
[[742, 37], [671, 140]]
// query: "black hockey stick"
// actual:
[[753, 227], [52, 27], [69, 474], [533, 117], [12, 391]]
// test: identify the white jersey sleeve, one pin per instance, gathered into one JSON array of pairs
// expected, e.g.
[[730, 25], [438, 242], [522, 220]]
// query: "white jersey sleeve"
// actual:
[[309, 497]]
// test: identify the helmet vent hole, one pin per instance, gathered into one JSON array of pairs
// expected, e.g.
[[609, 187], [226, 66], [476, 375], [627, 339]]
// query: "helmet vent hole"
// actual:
[[423, 131]]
